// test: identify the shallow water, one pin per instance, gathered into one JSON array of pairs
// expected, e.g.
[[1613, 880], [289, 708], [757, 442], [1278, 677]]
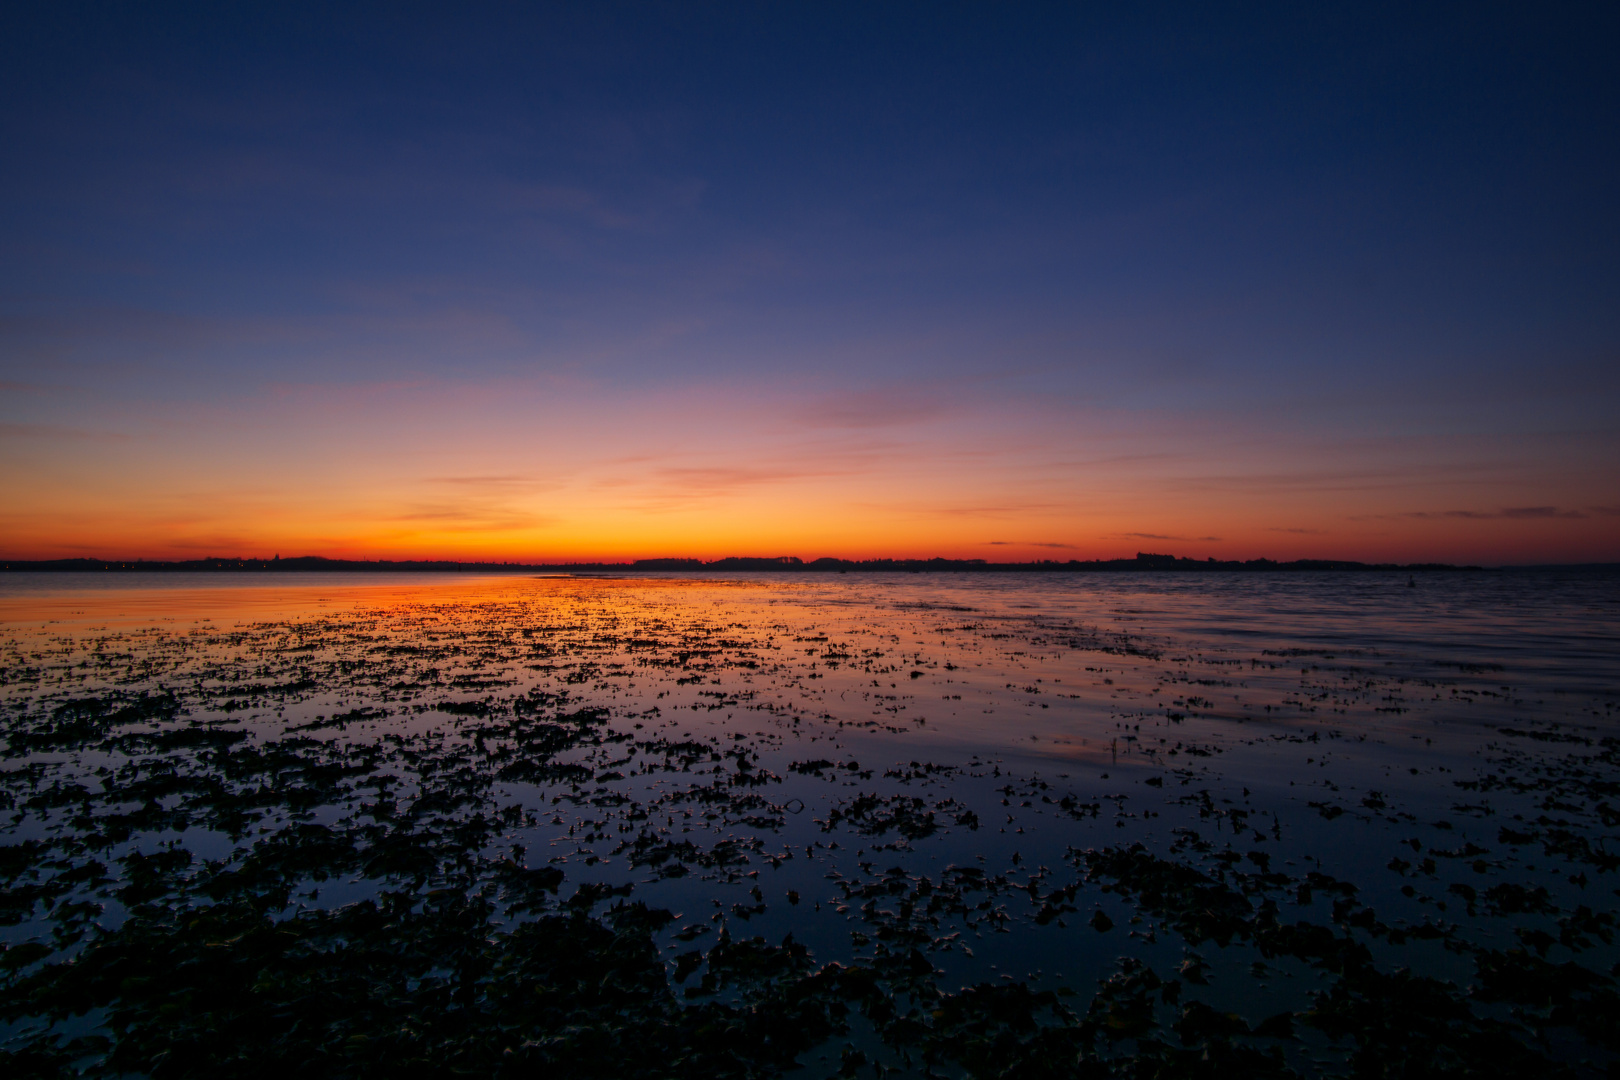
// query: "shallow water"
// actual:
[[1285, 823]]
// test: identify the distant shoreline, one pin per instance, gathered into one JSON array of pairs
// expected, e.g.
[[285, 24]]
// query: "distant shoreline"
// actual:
[[1142, 562]]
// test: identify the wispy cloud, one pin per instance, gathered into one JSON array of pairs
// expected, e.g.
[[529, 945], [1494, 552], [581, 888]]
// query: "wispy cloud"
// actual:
[[1164, 536], [450, 517], [723, 480], [58, 431], [1014, 510], [496, 483], [871, 408], [1319, 480], [1511, 513], [489, 502], [1297, 532], [1027, 543], [677, 486]]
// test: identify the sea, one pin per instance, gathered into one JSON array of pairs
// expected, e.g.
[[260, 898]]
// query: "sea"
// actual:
[[826, 824]]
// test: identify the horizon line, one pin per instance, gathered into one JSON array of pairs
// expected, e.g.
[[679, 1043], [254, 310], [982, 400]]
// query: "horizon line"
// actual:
[[1144, 560]]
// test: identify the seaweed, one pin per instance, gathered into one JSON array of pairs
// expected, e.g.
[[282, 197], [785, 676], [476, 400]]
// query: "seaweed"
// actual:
[[289, 845]]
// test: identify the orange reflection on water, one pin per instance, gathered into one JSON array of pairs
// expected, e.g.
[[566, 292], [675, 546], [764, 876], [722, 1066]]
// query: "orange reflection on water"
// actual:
[[855, 657], [1153, 671], [159, 599]]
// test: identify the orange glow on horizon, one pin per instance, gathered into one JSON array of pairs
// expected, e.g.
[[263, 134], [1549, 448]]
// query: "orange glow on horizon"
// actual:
[[520, 473], [808, 535]]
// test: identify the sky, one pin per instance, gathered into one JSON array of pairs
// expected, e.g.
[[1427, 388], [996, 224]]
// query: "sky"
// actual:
[[594, 281]]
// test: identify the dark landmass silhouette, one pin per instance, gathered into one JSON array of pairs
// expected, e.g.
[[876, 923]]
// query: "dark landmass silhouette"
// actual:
[[306, 563]]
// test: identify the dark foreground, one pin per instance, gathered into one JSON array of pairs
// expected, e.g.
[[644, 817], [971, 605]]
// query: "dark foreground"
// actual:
[[573, 828]]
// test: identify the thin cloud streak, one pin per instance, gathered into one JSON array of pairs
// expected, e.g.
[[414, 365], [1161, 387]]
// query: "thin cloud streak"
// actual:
[[1164, 536], [1028, 543], [1512, 513], [59, 431], [475, 519], [870, 409]]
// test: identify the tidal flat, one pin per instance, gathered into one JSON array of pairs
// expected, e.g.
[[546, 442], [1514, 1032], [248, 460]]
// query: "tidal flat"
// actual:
[[1145, 825]]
